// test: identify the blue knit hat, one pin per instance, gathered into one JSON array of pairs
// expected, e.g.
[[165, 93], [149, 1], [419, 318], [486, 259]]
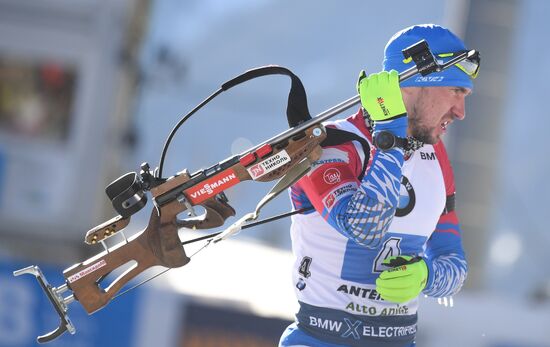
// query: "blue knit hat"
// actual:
[[440, 40]]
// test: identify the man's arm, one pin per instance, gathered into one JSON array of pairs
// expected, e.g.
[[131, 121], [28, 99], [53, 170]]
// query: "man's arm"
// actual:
[[444, 256], [443, 268], [363, 210], [360, 210]]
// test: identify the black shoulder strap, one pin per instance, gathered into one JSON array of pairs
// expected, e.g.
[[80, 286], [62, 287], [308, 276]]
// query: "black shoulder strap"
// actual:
[[337, 137], [297, 111], [449, 204]]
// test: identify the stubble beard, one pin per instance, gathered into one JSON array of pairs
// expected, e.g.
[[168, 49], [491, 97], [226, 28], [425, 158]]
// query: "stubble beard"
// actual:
[[418, 130]]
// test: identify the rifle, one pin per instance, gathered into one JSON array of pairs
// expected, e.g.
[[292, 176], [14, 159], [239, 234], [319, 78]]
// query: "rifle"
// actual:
[[285, 157]]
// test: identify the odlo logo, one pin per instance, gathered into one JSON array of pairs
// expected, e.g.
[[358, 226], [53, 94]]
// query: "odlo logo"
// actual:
[[380, 101], [332, 176]]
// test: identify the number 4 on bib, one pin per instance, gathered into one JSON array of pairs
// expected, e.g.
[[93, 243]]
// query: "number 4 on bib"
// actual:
[[304, 267]]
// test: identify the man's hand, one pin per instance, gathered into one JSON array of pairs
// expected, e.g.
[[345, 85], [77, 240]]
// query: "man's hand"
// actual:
[[380, 95], [404, 281]]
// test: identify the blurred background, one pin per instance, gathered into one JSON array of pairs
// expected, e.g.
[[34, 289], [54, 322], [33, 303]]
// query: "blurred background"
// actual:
[[90, 89]]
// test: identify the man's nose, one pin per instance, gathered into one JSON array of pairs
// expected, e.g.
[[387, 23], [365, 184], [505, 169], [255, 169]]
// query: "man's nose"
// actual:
[[459, 110]]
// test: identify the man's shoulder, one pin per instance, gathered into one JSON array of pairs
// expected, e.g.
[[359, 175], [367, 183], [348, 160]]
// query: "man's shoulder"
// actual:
[[440, 151], [353, 124], [446, 167]]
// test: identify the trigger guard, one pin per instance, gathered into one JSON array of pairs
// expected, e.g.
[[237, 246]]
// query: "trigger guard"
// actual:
[[217, 211]]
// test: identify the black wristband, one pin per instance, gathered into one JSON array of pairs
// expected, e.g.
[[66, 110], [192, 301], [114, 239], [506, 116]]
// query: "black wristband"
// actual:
[[385, 140]]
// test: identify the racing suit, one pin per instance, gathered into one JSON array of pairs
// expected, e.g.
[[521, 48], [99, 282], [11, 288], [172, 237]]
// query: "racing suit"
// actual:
[[336, 264]]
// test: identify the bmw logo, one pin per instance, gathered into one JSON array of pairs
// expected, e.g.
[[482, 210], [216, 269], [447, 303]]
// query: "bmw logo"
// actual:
[[407, 198]]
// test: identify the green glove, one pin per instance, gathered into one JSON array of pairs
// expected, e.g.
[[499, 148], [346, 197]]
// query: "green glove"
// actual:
[[405, 281], [380, 95]]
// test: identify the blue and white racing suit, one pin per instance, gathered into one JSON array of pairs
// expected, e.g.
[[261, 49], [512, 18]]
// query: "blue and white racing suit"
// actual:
[[401, 206]]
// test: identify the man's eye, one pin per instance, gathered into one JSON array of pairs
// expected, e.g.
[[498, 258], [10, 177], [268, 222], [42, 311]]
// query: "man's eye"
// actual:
[[461, 91]]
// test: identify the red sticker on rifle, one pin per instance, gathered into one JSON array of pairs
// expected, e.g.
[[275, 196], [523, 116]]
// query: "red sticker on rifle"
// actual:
[[270, 164], [212, 186]]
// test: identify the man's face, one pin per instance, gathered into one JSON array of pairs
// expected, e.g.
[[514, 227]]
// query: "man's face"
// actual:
[[432, 109]]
